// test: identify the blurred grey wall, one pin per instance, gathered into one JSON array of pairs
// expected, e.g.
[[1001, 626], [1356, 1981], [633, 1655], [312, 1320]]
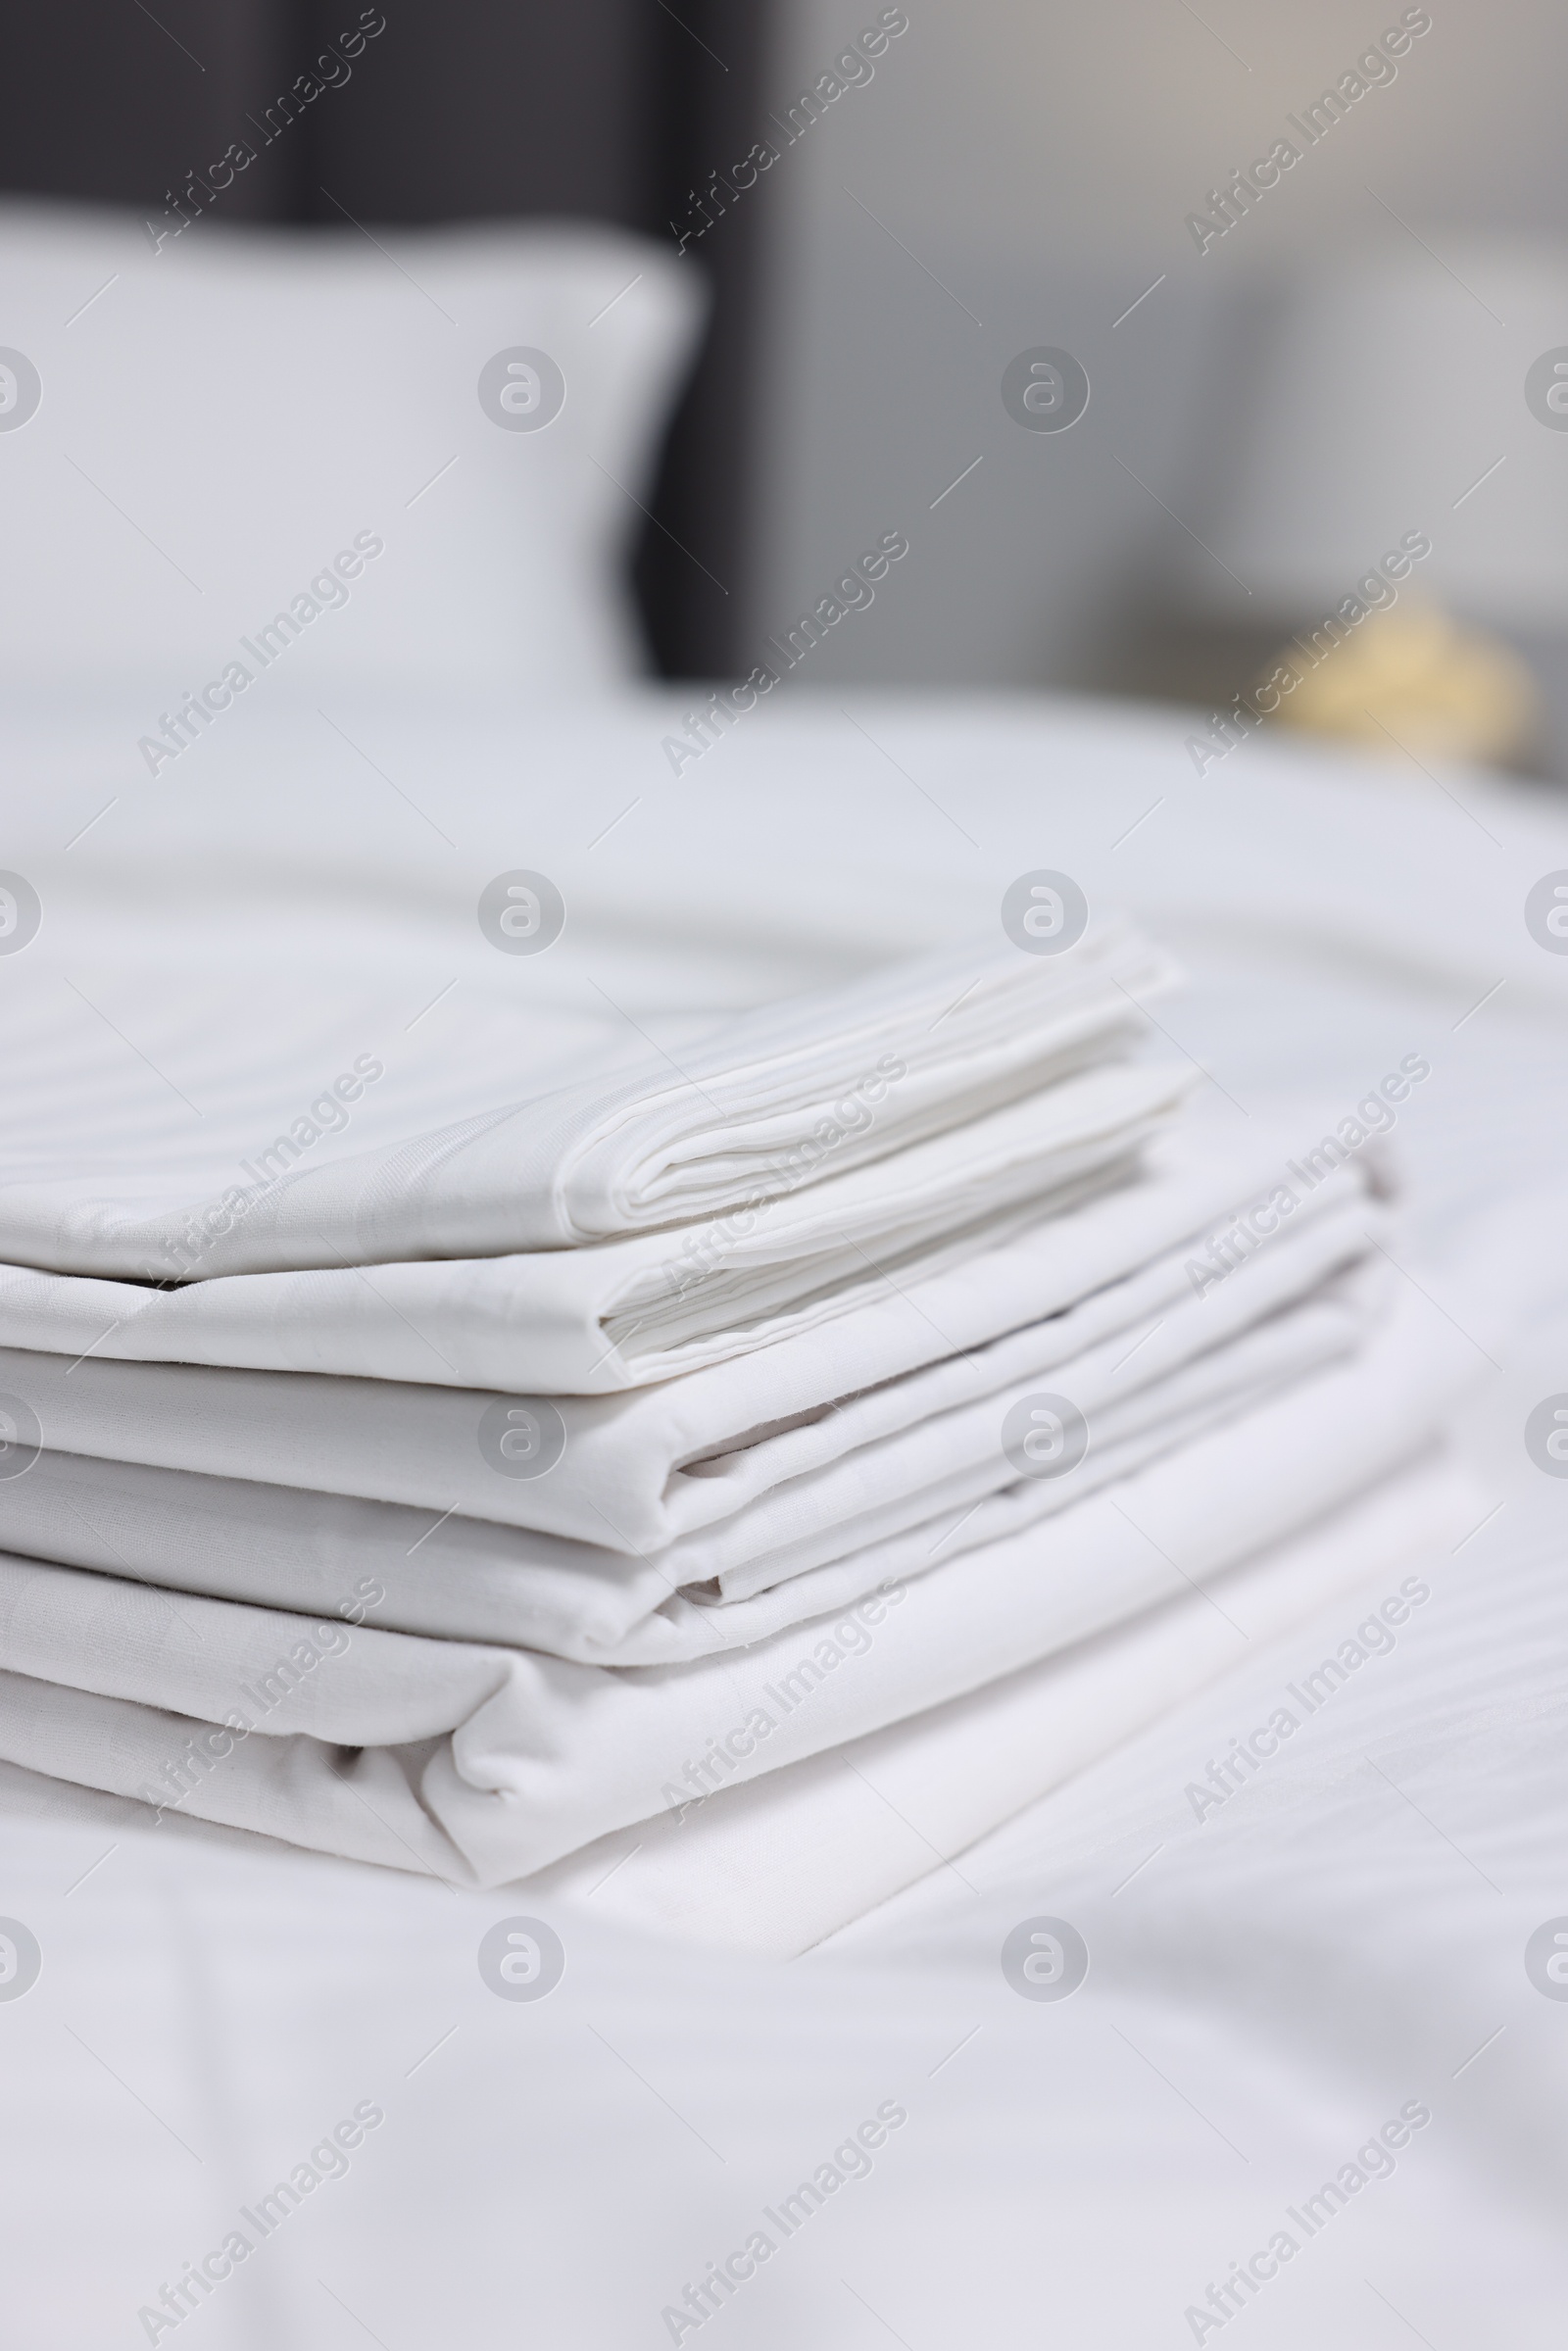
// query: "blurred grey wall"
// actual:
[[1017, 174]]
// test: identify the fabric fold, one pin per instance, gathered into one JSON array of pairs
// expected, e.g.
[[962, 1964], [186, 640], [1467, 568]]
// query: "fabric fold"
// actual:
[[756, 1109], [782, 1863], [623, 1312], [638, 1470], [520, 1758], [661, 1419], [465, 1579]]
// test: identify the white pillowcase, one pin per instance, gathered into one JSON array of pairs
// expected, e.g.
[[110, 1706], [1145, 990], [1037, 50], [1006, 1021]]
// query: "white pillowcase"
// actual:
[[219, 419]]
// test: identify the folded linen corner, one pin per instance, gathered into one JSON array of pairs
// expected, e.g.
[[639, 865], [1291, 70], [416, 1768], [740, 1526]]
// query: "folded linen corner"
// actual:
[[767, 1103]]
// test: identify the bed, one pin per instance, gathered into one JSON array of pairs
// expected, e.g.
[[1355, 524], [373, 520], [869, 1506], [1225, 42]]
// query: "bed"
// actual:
[[1109, 2069]]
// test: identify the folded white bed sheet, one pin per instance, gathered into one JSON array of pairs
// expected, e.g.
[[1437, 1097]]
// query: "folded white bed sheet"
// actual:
[[644, 1469], [748, 1575], [781, 1863], [618, 1313], [765, 1105], [485, 1763]]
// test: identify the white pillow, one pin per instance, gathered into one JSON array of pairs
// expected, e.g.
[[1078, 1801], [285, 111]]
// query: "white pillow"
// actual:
[[219, 419]]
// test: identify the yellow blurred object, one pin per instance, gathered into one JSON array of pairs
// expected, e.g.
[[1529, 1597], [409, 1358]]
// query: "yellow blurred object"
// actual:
[[1411, 679]]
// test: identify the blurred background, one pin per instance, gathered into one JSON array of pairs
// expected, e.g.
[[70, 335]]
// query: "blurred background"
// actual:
[[1290, 373]]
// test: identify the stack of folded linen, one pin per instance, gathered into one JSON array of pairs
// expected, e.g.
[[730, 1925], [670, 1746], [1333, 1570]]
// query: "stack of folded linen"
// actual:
[[464, 1501]]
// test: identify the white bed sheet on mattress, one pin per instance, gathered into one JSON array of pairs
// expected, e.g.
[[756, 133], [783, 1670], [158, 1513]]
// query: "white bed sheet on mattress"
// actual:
[[1266, 1988]]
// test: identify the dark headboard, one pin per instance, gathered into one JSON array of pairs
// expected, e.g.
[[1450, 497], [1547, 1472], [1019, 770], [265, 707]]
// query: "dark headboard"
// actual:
[[606, 110]]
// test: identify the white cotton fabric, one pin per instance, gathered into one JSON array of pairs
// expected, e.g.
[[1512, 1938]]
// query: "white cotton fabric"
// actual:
[[626, 1312], [488, 1763], [776, 1863], [646, 1468], [779, 1864], [469, 1754], [814, 1543], [1335, 917], [755, 1109]]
